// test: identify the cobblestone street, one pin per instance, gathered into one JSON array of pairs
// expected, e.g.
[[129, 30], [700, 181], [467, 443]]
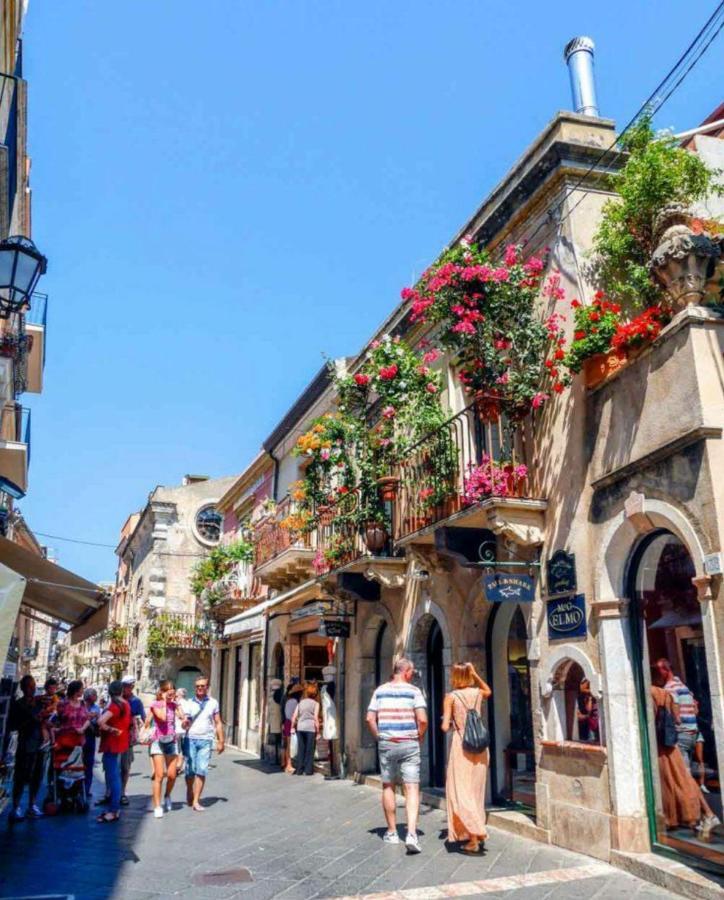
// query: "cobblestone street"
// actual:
[[295, 837]]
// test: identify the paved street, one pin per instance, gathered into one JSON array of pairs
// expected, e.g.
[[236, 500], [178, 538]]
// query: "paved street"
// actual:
[[294, 838]]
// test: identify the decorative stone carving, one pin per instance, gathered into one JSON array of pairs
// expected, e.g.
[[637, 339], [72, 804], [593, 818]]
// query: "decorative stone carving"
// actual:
[[683, 261], [703, 588], [520, 521], [634, 507], [714, 289], [389, 573]]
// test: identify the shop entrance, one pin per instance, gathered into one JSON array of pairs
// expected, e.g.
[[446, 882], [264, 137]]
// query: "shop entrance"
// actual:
[[435, 696], [680, 745], [512, 745]]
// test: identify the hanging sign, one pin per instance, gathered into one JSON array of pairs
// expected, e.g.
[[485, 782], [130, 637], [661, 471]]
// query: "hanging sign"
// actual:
[[334, 628], [562, 574], [567, 618], [311, 609], [502, 587]]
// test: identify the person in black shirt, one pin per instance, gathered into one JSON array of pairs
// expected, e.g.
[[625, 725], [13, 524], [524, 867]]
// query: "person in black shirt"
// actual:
[[25, 718]]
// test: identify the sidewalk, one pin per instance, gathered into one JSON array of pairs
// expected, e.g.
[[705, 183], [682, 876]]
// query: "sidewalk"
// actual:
[[265, 834]]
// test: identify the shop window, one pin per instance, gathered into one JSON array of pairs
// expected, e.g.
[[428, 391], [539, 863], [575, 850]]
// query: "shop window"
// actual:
[[314, 659], [575, 711]]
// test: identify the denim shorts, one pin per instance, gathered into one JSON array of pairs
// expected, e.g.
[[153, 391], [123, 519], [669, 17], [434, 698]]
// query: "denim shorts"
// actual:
[[399, 762], [198, 755], [163, 748]]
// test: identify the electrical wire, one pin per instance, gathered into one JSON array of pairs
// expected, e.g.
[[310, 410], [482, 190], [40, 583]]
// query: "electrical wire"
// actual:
[[57, 537], [653, 103]]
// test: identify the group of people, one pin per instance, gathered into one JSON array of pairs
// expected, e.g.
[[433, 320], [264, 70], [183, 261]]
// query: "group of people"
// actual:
[[680, 747], [180, 734]]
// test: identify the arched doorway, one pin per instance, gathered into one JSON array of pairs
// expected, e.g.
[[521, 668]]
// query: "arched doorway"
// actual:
[[186, 679], [680, 761], [512, 746], [384, 652], [435, 695]]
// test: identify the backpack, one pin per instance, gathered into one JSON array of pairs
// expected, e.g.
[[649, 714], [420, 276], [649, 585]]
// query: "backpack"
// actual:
[[665, 728], [475, 736]]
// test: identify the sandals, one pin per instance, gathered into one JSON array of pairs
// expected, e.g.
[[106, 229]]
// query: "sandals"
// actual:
[[108, 817]]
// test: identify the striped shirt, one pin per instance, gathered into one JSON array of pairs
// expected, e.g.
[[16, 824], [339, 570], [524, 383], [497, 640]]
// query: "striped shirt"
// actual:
[[395, 704], [684, 699]]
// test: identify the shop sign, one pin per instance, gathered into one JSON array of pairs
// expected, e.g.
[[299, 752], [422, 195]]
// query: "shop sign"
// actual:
[[311, 609], [562, 574], [502, 587], [10, 670], [567, 618], [334, 628]]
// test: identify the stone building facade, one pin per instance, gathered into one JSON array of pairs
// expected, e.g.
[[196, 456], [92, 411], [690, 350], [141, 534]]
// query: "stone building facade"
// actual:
[[153, 600], [618, 539]]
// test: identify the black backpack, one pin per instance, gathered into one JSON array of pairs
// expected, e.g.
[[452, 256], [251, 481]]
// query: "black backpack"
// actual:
[[475, 737], [665, 728]]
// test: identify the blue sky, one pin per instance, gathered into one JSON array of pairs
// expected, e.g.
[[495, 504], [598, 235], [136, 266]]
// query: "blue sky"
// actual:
[[227, 191]]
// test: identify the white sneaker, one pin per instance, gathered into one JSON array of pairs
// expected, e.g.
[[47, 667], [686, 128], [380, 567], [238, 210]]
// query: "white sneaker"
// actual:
[[167, 805], [704, 789], [709, 822], [412, 843], [18, 814], [158, 812], [35, 812], [391, 837]]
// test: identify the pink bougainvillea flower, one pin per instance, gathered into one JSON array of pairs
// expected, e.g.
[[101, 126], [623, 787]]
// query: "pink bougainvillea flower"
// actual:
[[501, 274], [362, 380], [375, 344], [387, 373], [431, 388], [423, 370], [538, 400], [389, 412], [511, 255], [503, 379], [534, 266], [325, 453], [467, 240], [431, 355]]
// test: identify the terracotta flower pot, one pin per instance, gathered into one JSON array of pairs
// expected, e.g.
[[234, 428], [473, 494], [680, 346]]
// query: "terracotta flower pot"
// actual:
[[375, 536], [389, 486], [487, 406], [597, 368]]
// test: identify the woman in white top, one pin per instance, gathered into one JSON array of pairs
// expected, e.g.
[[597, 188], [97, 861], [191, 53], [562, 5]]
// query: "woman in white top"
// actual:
[[294, 693]]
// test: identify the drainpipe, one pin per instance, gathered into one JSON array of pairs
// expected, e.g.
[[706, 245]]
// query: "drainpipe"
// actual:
[[341, 705]]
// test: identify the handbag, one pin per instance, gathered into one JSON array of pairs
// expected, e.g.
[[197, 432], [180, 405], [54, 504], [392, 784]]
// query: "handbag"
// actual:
[[145, 734], [293, 745], [665, 727], [475, 736]]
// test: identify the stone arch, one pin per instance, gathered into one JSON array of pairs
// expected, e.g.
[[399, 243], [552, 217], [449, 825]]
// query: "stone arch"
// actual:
[[553, 675], [573, 653], [376, 615]]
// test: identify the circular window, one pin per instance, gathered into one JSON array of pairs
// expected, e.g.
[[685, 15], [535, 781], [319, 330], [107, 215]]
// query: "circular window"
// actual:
[[208, 524]]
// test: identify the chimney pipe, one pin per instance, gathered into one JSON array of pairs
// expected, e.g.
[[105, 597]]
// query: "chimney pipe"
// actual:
[[579, 58]]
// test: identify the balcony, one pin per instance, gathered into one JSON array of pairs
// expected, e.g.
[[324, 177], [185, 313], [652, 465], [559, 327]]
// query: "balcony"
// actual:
[[115, 641], [35, 328], [177, 631], [282, 556], [14, 449], [470, 473], [236, 592]]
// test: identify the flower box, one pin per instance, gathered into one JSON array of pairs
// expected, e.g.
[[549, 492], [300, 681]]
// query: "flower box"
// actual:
[[601, 366]]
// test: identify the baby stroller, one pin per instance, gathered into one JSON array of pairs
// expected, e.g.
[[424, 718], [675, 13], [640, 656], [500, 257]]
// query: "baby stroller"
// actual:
[[66, 777]]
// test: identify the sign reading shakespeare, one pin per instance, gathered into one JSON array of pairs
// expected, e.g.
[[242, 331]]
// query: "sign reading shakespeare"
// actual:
[[334, 628], [567, 618], [561, 573], [501, 588]]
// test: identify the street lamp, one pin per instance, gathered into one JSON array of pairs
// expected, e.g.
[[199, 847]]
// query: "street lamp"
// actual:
[[21, 265]]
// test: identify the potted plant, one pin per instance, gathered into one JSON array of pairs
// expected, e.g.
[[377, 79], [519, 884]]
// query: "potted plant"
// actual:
[[389, 486], [493, 479], [591, 349], [374, 530]]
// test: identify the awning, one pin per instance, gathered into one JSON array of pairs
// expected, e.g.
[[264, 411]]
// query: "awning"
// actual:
[[51, 589]]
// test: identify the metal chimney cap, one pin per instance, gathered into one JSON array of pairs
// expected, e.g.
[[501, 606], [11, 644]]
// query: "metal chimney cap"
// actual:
[[578, 43]]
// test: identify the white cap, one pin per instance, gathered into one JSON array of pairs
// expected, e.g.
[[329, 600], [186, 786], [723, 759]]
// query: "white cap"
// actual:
[[128, 679]]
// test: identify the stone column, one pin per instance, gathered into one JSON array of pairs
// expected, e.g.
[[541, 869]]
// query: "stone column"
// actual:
[[712, 644], [629, 822]]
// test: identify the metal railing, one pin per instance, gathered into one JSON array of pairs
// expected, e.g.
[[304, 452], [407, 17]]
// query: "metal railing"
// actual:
[[15, 424], [271, 539], [474, 455], [38, 315], [181, 630]]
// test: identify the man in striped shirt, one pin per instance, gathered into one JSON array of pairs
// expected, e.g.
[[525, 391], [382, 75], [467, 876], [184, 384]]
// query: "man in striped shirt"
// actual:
[[397, 718], [687, 709]]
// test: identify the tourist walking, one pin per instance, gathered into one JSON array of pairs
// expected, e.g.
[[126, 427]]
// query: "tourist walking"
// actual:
[[397, 718], [138, 715], [203, 726], [25, 718], [90, 700], [467, 772], [305, 723], [73, 718], [165, 714], [291, 701], [115, 728]]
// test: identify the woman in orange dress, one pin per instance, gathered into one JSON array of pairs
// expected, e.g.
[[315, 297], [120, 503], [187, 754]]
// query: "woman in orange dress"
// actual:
[[466, 772], [680, 794]]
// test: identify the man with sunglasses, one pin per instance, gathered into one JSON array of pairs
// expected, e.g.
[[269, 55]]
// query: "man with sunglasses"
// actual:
[[202, 724]]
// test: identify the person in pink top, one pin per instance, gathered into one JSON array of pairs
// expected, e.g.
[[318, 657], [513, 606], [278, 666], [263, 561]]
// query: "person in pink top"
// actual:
[[164, 715]]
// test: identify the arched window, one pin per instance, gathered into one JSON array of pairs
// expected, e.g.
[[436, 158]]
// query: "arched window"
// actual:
[[577, 709]]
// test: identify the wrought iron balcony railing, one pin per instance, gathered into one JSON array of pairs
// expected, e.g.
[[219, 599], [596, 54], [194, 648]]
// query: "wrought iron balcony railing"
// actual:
[[184, 630], [475, 455], [271, 537]]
